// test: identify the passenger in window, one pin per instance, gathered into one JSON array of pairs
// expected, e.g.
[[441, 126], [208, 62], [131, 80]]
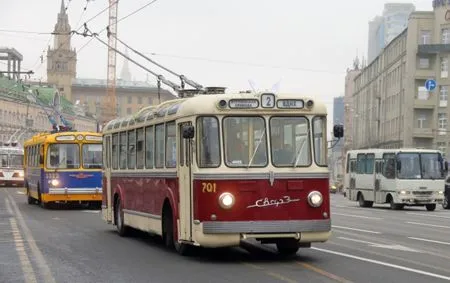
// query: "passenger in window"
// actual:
[[281, 154]]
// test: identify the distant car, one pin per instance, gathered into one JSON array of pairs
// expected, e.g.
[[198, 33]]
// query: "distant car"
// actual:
[[333, 189], [445, 203]]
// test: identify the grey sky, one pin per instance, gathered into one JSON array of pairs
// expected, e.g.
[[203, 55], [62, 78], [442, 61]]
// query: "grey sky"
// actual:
[[298, 35]]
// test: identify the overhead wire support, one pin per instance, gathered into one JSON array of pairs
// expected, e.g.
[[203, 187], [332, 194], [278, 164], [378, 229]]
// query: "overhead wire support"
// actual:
[[165, 81], [182, 77]]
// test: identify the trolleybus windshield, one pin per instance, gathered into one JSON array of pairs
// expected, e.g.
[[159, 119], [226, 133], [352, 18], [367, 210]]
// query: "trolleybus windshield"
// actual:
[[16, 161]]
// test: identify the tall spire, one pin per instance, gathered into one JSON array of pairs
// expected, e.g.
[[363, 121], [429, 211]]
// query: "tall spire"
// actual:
[[125, 74], [63, 8]]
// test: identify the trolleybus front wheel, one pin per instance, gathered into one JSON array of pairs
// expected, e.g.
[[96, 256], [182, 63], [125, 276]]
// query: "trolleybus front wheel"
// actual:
[[288, 247], [120, 224], [168, 234]]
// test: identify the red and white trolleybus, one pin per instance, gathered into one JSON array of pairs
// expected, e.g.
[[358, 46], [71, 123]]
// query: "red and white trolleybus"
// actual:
[[215, 169]]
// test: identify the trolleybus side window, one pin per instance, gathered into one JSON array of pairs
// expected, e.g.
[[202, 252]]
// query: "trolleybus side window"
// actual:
[[208, 142], [320, 140], [290, 141], [107, 153], [159, 142], [92, 156], [62, 156], [131, 149], [245, 140], [171, 145], [123, 151], [370, 159], [149, 147], [4, 159], [140, 148], [361, 164], [115, 151]]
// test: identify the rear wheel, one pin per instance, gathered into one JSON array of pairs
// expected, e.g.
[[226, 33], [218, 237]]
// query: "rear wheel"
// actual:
[[362, 202], [122, 229], [288, 247]]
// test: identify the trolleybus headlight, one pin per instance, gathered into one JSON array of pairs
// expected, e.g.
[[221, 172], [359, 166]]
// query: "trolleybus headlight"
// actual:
[[315, 199], [55, 182], [21, 174], [226, 200]]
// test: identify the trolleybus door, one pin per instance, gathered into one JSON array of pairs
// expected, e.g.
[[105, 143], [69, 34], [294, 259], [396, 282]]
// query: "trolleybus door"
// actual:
[[185, 181], [107, 171]]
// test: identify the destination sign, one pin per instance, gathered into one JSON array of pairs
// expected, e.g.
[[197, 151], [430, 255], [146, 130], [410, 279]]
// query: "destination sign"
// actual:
[[243, 103], [65, 138], [290, 103]]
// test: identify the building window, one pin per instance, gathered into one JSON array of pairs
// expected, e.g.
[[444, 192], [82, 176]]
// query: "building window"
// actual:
[[425, 37], [421, 121], [444, 67], [130, 99], [150, 101], [139, 100], [445, 36], [442, 121], [443, 96], [424, 63]]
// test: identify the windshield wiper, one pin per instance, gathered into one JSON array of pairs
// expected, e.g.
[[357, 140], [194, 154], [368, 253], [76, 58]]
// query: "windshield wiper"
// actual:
[[256, 149]]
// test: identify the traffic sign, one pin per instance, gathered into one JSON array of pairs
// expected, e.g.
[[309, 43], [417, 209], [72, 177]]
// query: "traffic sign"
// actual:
[[430, 84]]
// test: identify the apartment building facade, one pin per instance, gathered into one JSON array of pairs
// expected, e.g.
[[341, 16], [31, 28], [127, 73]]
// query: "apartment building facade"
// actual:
[[392, 107]]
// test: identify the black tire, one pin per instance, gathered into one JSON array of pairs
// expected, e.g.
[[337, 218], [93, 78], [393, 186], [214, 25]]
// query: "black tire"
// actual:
[[169, 234], [30, 200], [41, 203], [445, 203], [395, 206], [288, 247], [364, 203], [122, 229], [431, 206]]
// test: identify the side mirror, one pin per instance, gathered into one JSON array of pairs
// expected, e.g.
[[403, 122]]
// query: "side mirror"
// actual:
[[338, 131], [188, 132]]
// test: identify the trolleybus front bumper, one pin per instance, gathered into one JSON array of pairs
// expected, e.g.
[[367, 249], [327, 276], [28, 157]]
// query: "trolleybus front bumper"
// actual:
[[230, 233]]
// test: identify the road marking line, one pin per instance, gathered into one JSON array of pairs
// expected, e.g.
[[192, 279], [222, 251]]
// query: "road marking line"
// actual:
[[357, 241], [413, 270], [324, 273], [427, 214], [356, 216], [280, 277], [270, 273], [431, 241], [20, 193], [355, 229], [91, 211], [430, 225], [8, 207], [46, 272], [25, 263]]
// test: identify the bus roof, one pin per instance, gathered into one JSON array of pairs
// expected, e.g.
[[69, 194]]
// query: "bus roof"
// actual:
[[220, 104], [354, 152], [63, 136]]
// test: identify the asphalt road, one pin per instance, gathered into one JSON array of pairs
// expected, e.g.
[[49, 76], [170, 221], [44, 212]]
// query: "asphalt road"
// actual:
[[75, 245]]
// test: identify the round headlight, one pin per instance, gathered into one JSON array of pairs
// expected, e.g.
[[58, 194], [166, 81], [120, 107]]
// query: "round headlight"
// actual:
[[226, 200], [21, 174], [55, 182], [315, 199]]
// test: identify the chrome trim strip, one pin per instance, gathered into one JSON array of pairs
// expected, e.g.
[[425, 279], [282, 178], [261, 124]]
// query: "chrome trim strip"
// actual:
[[144, 174], [144, 214], [282, 226], [258, 176], [64, 191]]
